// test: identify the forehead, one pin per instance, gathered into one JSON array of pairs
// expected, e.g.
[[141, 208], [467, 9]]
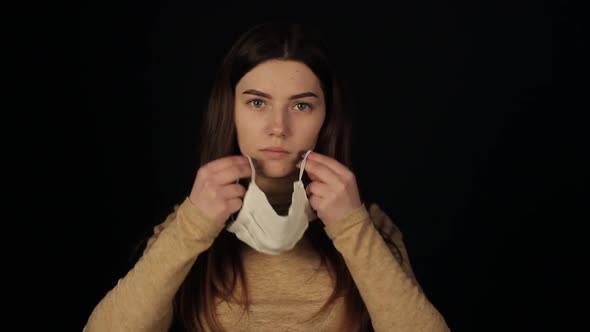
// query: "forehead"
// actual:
[[280, 78]]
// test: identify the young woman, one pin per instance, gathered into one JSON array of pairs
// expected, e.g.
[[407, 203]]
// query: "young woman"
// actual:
[[274, 235]]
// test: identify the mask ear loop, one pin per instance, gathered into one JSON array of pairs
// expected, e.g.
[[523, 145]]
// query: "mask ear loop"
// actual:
[[303, 164], [301, 171]]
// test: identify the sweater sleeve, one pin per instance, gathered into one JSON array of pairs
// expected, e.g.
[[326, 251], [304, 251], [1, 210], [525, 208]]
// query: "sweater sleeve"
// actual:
[[142, 300], [393, 298]]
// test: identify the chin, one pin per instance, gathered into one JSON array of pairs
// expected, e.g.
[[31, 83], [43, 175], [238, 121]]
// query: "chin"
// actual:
[[278, 171]]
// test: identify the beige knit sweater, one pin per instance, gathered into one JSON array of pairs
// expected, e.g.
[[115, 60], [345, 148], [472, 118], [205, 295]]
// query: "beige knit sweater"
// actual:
[[284, 290]]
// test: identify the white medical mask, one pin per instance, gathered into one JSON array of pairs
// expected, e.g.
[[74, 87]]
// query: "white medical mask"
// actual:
[[259, 226]]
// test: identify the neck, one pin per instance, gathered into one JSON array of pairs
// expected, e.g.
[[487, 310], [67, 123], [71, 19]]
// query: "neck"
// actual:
[[278, 191]]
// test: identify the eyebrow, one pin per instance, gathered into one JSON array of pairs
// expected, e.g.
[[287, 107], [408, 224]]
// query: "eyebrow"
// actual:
[[266, 95]]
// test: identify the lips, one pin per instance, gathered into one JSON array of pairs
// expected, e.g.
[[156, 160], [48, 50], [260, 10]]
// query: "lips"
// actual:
[[275, 149], [275, 153]]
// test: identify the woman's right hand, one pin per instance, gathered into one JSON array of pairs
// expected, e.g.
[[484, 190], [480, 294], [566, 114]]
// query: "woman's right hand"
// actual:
[[215, 191]]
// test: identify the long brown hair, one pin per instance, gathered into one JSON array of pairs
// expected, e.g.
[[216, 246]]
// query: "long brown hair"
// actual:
[[218, 270]]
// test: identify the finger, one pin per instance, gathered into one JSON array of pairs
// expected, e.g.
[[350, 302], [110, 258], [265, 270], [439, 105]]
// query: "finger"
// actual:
[[318, 188], [321, 172], [232, 191], [313, 177], [234, 205], [329, 162], [225, 162], [231, 174], [315, 201]]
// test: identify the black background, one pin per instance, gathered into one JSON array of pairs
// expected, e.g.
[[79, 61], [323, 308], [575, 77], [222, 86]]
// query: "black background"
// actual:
[[469, 132]]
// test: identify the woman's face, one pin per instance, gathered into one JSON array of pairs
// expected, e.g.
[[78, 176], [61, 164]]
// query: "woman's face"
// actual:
[[278, 104]]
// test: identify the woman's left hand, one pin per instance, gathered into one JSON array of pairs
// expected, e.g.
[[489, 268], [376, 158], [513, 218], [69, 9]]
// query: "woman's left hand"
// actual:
[[333, 192]]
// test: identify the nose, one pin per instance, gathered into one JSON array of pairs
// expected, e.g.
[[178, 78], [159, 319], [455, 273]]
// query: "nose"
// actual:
[[279, 123]]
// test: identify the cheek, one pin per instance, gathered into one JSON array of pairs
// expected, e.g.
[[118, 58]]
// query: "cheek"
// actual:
[[311, 132], [241, 121], [246, 127], [245, 130]]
